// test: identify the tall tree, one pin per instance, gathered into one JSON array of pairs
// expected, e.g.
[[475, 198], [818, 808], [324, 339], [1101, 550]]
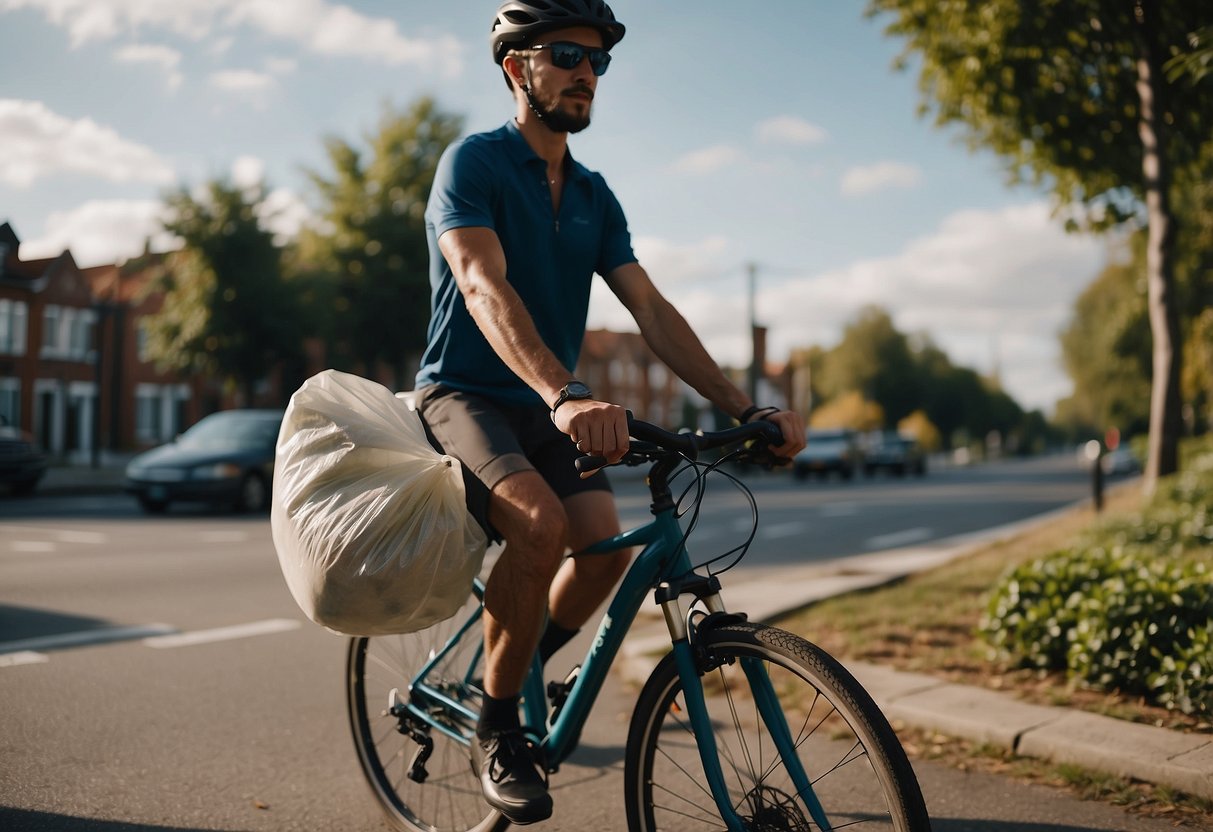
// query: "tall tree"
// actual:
[[226, 311], [373, 242], [1072, 94]]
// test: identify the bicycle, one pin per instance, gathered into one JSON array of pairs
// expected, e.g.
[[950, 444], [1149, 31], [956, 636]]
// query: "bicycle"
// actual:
[[740, 726]]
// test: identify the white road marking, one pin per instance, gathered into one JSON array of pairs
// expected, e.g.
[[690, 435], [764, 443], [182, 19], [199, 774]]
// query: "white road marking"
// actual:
[[102, 635], [32, 546], [783, 530], [256, 628], [839, 509], [902, 538], [23, 657], [93, 538]]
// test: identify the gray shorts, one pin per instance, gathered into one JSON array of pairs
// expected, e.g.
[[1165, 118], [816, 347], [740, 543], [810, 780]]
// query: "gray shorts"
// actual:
[[493, 440]]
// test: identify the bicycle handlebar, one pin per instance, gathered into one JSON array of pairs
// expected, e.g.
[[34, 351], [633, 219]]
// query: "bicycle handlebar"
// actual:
[[687, 444]]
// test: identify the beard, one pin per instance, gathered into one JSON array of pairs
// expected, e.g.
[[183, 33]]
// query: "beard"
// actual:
[[559, 120]]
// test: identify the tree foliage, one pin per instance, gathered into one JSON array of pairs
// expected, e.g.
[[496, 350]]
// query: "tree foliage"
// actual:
[[1106, 348], [371, 243], [1071, 93], [227, 311]]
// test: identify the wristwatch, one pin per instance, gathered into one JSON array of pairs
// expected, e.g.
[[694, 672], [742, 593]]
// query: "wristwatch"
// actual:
[[573, 390]]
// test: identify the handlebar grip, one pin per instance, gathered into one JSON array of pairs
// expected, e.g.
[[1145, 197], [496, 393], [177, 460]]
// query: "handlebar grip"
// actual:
[[589, 464]]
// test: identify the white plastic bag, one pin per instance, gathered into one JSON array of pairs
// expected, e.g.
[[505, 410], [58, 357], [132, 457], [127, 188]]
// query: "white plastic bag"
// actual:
[[372, 531]]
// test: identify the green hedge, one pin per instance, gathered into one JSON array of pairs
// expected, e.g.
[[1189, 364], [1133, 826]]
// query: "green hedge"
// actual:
[[1129, 608]]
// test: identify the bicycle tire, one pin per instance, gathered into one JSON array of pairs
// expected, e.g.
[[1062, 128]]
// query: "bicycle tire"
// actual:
[[449, 799], [858, 769]]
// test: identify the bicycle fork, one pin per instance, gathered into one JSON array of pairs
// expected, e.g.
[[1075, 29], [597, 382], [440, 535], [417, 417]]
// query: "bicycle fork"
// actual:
[[690, 673]]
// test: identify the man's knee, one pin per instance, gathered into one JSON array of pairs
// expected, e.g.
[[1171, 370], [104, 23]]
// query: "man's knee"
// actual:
[[530, 517]]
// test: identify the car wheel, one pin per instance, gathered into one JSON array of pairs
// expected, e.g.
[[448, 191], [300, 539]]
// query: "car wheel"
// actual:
[[153, 506], [254, 494]]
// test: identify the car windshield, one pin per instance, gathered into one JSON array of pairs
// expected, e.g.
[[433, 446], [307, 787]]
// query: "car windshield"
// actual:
[[231, 430]]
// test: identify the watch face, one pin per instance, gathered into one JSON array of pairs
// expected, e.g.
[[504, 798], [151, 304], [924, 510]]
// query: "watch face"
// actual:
[[577, 390]]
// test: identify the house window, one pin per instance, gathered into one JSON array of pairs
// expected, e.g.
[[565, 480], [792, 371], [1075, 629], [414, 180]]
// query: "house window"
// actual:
[[10, 401], [12, 326], [52, 318], [82, 324]]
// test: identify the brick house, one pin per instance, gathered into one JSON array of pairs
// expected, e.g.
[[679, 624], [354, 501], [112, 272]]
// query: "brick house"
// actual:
[[72, 371]]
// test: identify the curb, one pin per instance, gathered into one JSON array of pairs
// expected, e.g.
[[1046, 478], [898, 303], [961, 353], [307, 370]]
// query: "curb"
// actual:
[[1060, 735]]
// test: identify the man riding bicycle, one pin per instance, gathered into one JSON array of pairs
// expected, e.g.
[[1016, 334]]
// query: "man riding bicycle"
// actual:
[[516, 230]]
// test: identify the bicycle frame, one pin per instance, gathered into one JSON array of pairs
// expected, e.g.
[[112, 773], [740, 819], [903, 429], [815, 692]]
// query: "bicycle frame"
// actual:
[[662, 560]]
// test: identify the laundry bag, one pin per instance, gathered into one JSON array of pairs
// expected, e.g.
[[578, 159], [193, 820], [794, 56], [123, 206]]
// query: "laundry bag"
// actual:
[[369, 521]]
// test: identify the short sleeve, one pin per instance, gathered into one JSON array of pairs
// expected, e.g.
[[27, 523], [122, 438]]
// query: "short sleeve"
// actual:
[[616, 239], [462, 194]]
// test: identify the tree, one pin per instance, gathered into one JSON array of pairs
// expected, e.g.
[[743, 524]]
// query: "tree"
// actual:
[[874, 359], [1195, 64], [1072, 95], [1106, 348], [372, 244], [227, 311]]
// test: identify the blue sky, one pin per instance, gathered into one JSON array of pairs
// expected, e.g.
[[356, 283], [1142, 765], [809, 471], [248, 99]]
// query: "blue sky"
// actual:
[[773, 133]]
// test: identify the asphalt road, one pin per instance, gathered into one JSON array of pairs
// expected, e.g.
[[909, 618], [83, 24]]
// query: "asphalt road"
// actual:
[[156, 676]]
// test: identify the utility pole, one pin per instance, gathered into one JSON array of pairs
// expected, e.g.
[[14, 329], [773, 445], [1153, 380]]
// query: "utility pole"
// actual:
[[751, 290]]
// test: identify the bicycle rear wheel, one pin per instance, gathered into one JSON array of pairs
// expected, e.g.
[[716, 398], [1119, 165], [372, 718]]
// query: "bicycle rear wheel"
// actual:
[[858, 770], [441, 794]]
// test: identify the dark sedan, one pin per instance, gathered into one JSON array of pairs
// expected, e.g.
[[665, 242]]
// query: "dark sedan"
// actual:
[[226, 459], [22, 462]]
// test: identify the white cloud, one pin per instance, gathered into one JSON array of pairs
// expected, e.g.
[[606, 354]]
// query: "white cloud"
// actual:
[[789, 130], [990, 288], [708, 160], [868, 178], [39, 143], [102, 231], [164, 58], [281, 66], [247, 172], [317, 25], [285, 213], [242, 81]]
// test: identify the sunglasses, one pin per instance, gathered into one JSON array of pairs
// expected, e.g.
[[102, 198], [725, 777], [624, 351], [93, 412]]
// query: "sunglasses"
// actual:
[[569, 55]]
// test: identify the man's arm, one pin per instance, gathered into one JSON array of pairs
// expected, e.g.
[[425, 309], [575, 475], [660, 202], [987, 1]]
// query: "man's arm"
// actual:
[[671, 338], [478, 264]]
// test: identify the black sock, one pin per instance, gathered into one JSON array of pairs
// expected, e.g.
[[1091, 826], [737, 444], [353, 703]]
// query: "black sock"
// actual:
[[554, 637], [497, 715]]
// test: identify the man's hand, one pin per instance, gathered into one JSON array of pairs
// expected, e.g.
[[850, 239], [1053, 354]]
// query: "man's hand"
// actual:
[[792, 427], [597, 428]]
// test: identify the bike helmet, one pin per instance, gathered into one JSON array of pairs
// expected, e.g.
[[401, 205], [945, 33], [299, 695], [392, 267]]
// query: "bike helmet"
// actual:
[[519, 22]]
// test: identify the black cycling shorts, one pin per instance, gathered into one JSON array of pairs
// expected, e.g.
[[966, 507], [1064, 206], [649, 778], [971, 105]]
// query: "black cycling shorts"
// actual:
[[493, 440]]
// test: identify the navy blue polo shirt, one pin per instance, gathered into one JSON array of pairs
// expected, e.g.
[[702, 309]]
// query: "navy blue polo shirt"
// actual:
[[494, 180]]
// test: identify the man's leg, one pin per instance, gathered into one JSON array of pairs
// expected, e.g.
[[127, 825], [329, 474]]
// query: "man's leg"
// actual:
[[527, 513], [583, 583], [531, 519]]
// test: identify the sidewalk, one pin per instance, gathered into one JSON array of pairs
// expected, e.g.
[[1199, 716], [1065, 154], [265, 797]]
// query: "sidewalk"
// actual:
[[1155, 755], [1061, 735], [82, 479]]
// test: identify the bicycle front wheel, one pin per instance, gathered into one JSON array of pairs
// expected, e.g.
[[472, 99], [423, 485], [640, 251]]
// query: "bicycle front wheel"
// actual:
[[859, 774], [406, 710]]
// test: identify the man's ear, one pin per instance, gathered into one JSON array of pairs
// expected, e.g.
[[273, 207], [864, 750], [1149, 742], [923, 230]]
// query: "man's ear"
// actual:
[[514, 66]]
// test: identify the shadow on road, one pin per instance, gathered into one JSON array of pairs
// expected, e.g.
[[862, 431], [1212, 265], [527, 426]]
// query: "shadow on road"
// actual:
[[972, 825], [28, 820], [20, 623]]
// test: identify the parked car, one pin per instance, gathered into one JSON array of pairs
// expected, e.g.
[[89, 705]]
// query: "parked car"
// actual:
[[227, 459], [826, 452], [1120, 461], [896, 454], [22, 462]]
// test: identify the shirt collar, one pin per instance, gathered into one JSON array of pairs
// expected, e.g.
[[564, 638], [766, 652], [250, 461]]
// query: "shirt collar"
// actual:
[[522, 152]]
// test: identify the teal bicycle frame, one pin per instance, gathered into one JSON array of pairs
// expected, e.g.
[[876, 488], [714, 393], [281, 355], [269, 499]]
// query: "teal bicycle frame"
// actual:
[[662, 563]]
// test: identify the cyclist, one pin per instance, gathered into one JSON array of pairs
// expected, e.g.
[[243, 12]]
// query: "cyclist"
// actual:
[[516, 230]]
